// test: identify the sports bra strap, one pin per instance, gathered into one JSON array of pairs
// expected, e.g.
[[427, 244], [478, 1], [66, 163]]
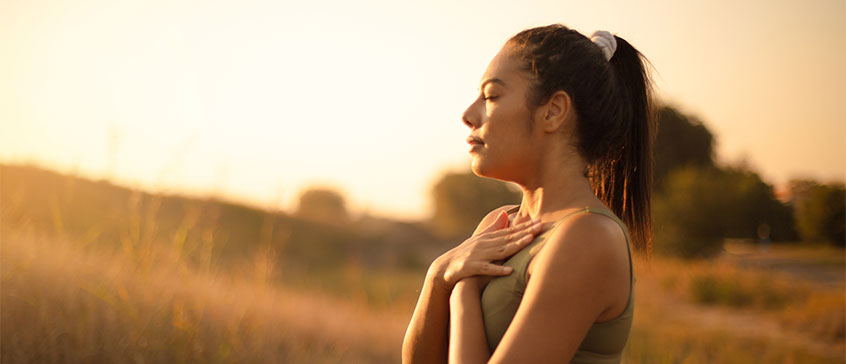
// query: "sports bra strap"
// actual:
[[584, 209], [537, 247]]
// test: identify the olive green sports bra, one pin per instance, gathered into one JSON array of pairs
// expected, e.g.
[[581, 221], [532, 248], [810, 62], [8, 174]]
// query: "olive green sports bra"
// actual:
[[604, 341]]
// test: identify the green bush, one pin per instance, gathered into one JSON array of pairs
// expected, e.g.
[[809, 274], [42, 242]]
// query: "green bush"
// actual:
[[699, 207], [323, 204], [821, 213], [682, 140]]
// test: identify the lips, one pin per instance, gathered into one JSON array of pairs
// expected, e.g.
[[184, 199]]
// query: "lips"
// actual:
[[473, 140]]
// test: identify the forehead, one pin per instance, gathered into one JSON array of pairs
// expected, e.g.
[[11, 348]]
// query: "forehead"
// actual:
[[506, 68]]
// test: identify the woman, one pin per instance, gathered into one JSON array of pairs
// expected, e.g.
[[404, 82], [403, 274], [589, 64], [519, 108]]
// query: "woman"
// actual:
[[548, 281]]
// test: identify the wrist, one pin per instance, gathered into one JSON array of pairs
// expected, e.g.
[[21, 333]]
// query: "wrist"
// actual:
[[468, 286], [435, 276], [464, 291]]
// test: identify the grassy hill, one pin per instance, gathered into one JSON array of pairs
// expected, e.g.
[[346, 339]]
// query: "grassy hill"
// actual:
[[93, 272], [210, 233]]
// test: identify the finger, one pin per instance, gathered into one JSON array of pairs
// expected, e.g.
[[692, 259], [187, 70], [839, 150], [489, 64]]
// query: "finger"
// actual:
[[547, 225], [490, 269], [514, 231], [499, 223], [507, 231], [506, 250], [520, 219]]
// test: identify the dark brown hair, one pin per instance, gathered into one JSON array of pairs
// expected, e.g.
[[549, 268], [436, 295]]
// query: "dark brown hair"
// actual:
[[615, 127]]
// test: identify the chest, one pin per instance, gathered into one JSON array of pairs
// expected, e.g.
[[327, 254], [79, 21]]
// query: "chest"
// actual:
[[502, 296]]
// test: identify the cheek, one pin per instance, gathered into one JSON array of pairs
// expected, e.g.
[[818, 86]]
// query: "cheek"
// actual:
[[512, 126]]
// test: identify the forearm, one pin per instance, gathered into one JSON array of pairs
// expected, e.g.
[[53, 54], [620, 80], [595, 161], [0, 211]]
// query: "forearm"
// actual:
[[426, 338], [467, 340]]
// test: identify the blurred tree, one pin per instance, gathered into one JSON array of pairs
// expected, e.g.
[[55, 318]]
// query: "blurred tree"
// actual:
[[323, 204], [681, 141], [699, 207], [820, 211], [461, 200], [799, 189]]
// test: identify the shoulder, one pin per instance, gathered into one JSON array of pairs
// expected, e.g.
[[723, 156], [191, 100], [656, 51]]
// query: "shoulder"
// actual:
[[592, 236], [491, 216], [591, 247], [588, 230]]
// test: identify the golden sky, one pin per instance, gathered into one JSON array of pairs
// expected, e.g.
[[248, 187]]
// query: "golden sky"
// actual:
[[258, 99]]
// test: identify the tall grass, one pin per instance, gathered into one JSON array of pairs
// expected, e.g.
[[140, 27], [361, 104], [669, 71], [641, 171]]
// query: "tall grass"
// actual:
[[813, 309], [60, 305]]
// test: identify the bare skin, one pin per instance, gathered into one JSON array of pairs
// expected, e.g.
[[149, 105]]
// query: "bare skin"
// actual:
[[579, 277]]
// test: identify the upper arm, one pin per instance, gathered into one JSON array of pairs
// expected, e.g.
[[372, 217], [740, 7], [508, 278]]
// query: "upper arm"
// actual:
[[491, 217], [575, 279]]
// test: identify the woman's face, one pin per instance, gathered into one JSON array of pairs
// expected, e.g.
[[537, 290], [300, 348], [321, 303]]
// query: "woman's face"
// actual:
[[503, 141]]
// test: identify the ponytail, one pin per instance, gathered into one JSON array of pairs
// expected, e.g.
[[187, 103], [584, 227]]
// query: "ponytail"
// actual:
[[623, 178]]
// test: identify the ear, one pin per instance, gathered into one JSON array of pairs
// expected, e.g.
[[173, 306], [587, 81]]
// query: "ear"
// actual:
[[557, 111]]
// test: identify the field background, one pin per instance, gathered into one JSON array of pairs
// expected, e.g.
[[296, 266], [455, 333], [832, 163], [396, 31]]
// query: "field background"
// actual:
[[93, 272]]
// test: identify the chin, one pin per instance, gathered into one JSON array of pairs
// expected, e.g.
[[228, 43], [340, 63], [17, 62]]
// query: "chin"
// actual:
[[477, 167], [481, 169], [474, 166]]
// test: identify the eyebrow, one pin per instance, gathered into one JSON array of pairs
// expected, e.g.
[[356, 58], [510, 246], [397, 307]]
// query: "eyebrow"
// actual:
[[491, 80]]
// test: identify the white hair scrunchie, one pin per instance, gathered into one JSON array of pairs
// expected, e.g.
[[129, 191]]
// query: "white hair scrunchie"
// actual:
[[606, 42]]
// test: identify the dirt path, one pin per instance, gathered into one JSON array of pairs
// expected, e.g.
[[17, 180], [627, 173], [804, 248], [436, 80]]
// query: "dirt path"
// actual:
[[820, 265]]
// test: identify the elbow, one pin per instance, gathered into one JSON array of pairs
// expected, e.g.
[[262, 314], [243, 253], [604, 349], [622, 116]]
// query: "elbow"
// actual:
[[407, 351], [413, 353]]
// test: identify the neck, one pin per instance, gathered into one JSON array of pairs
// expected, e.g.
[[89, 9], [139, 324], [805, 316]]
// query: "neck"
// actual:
[[558, 184]]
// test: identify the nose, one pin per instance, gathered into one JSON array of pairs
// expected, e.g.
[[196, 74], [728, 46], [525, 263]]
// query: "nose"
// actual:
[[470, 117]]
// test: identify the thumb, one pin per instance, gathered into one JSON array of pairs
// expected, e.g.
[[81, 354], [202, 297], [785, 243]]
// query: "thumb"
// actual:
[[500, 222]]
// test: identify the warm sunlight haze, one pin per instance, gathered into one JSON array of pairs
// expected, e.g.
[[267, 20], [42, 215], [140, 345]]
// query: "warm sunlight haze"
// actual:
[[259, 181], [257, 100]]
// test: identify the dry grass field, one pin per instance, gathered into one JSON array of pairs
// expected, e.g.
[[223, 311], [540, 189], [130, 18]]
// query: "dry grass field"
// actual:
[[61, 306], [717, 312], [159, 289]]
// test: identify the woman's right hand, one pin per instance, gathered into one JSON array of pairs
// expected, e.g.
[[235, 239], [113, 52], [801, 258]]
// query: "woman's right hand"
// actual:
[[478, 254]]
